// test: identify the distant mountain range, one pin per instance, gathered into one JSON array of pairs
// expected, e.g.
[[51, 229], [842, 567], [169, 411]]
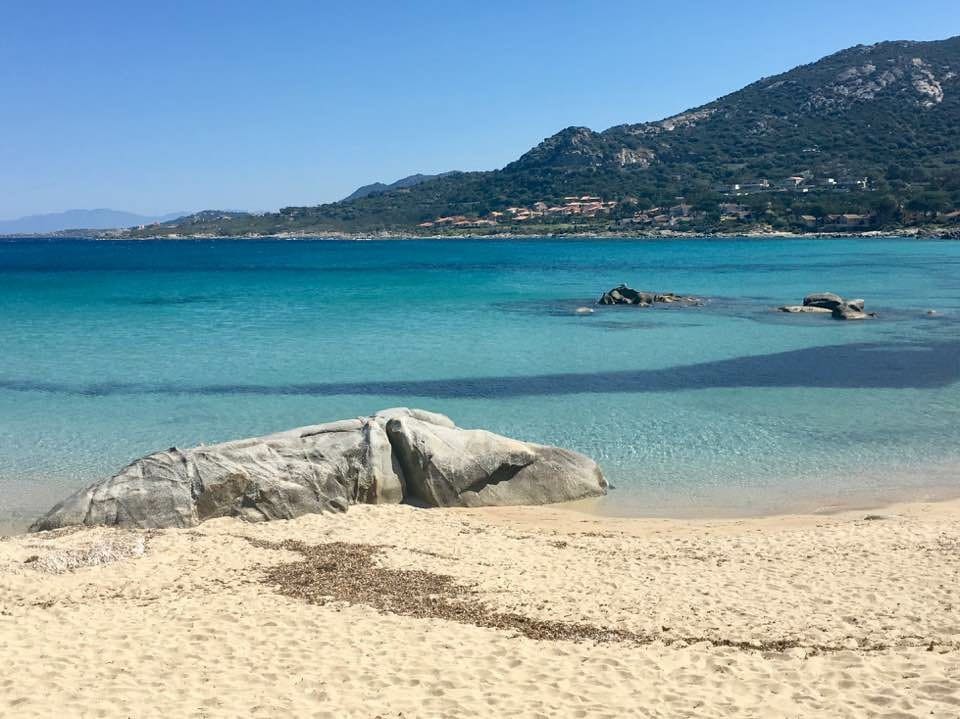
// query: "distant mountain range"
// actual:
[[867, 138], [378, 188], [101, 219]]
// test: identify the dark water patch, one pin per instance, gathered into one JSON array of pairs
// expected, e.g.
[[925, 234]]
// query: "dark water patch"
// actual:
[[944, 317], [566, 307], [637, 324], [280, 265], [930, 365], [562, 307], [619, 259], [170, 301], [374, 267], [742, 303], [614, 317], [627, 325]]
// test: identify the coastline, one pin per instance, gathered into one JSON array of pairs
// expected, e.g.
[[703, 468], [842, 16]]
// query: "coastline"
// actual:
[[529, 611], [940, 233], [873, 490], [869, 492], [854, 503], [575, 516]]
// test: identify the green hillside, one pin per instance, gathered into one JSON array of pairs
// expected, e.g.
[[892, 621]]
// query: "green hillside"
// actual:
[[867, 138]]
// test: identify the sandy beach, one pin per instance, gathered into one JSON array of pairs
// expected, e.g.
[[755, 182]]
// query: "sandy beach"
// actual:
[[393, 611]]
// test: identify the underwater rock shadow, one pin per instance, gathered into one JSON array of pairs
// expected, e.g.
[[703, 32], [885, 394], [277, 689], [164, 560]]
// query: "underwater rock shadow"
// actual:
[[929, 365]]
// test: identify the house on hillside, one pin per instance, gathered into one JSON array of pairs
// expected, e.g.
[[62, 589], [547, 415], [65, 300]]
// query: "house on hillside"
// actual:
[[848, 221], [732, 211], [759, 186]]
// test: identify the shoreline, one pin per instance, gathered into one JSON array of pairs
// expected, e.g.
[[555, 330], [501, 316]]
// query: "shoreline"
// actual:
[[938, 234], [569, 517], [852, 503], [928, 482]]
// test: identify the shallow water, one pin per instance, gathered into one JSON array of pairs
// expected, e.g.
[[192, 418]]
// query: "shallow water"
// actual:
[[113, 349]]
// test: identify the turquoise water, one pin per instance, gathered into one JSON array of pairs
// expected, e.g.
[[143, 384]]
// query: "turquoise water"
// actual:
[[113, 349]]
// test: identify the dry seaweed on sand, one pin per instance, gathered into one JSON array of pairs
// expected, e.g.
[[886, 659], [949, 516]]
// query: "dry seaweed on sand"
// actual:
[[348, 572]]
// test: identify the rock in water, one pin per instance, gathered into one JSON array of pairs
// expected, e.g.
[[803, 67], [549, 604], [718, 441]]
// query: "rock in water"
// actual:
[[851, 310], [825, 300], [801, 309], [453, 467], [623, 295], [837, 306], [327, 467]]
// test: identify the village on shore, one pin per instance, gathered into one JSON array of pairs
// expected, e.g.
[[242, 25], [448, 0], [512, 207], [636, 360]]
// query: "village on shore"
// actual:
[[734, 208]]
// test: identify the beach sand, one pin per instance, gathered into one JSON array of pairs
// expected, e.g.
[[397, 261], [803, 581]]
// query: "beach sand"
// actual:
[[521, 612]]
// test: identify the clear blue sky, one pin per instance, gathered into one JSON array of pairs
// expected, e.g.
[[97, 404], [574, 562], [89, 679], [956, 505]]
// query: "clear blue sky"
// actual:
[[163, 106]]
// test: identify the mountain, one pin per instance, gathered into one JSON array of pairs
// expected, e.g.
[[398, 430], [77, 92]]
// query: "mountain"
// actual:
[[378, 188], [866, 138], [101, 219], [849, 113]]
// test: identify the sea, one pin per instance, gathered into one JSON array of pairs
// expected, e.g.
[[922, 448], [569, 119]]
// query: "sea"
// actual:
[[112, 349]]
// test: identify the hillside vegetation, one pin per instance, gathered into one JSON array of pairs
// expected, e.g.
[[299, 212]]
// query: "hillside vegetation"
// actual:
[[867, 138]]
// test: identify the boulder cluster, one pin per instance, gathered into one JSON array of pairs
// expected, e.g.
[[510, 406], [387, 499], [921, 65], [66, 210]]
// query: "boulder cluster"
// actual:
[[817, 303], [830, 303], [623, 295], [396, 455]]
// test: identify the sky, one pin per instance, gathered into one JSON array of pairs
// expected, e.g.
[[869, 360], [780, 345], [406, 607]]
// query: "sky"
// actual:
[[156, 107]]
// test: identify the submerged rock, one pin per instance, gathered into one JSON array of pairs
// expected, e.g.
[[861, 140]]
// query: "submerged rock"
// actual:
[[808, 309], [623, 295], [396, 455]]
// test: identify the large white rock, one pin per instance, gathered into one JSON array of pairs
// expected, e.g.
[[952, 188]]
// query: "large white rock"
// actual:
[[448, 467], [395, 455]]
